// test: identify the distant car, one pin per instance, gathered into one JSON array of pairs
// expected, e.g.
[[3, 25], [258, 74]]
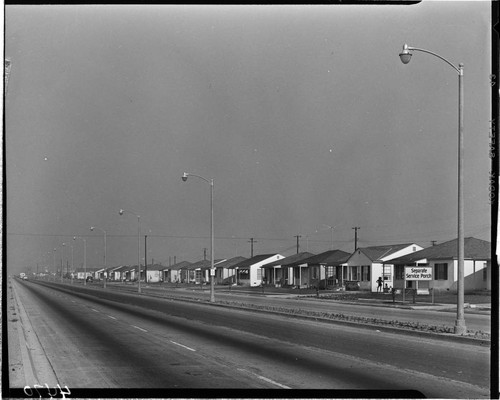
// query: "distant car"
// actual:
[[25, 277], [90, 279]]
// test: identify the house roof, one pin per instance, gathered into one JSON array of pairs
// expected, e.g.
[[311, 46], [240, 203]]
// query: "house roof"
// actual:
[[376, 253], [111, 269], [289, 260], [83, 270], [474, 249], [231, 262], [254, 260], [155, 267], [330, 257], [179, 265], [203, 264], [122, 268]]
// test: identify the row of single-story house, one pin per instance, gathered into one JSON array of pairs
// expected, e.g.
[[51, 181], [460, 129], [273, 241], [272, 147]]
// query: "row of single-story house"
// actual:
[[334, 268]]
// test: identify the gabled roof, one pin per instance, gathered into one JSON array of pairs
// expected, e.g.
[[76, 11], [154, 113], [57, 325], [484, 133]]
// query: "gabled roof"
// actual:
[[474, 249], [179, 265], [83, 270], [128, 268], [289, 260], [154, 267], [330, 257], [203, 264], [112, 269], [254, 260], [376, 253], [231, 262]]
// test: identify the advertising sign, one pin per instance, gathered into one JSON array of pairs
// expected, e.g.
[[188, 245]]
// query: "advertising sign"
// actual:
[[418, 273]]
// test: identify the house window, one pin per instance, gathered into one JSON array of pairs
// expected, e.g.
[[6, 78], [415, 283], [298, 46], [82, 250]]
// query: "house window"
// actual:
[[441, 271], [244, 274], [399, 271], [259, 273], [365, 273], [315, 272], [355, 276]]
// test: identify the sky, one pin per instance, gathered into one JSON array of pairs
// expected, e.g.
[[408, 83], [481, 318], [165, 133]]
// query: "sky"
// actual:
[[303, 115]]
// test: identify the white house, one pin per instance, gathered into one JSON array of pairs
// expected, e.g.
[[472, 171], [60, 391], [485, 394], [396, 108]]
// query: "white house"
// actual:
[[443, 259], [281, 272], [154, 273], [173, 272], [224, 271], [322, 270], [249, 272], [367, 264], [81, 274]]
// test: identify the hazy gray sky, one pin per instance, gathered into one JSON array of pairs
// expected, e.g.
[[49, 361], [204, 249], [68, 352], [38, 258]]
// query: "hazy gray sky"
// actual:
[[303, 115]]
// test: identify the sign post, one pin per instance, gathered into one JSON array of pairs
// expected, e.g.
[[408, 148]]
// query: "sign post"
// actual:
[[417, 273]]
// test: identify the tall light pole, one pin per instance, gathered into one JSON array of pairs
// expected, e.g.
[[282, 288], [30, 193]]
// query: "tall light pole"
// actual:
[[62, 261], [138, 243], [55, 267], [105, 271], [405, 56], [84, 258], [72, 264], [212, 268]]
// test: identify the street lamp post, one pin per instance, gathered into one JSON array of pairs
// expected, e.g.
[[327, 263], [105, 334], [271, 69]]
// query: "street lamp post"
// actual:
[[62, 261], [84, 259], [405, 56], [105, 270], [72, 264], [138, 243], [212, 269], [55, 267]]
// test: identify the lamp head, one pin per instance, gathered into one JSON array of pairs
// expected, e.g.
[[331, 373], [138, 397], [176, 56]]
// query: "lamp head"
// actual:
[[91, 228], [185, 176], [405, 55], [120, 212]]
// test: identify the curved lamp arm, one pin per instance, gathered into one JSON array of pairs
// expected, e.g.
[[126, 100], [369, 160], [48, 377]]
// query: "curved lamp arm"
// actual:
[[405, 56]]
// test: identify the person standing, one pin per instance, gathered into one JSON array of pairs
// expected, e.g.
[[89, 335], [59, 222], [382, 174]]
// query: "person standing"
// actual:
[[379, 282]]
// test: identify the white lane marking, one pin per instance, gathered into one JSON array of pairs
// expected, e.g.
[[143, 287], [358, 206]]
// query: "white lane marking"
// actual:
[[93, 309], [110, 316], [144, 330], [178, 344], [265, 379]]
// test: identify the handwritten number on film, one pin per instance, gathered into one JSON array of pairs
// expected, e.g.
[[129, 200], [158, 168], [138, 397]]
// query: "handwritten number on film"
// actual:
[[63, 391]]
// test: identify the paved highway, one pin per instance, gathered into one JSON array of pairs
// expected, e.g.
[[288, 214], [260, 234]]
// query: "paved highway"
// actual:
[[98, 339]]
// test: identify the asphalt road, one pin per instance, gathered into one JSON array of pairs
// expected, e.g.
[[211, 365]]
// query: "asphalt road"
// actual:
[[99, 339]]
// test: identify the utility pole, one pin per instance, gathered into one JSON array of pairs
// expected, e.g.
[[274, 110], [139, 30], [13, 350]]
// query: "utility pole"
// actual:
[[251, 241], [204, 253], [145, 259], [356, 237], [297, 236]]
